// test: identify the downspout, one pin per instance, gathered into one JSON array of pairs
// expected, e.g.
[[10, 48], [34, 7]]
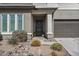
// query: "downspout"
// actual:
[[53, 20]]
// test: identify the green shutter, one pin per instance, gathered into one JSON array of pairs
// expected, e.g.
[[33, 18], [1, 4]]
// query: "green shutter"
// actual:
[[19, 21], [4, 22], [12, 22]]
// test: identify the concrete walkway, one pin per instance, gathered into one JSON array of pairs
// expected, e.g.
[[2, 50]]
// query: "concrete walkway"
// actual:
[[44, 41], [70, 44]]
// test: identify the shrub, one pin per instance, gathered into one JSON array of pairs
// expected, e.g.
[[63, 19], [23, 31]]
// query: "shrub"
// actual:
[[1, 37], [12, 41], [35, 43], [53, 53], [20, 36], [56, 46], [34, 33]]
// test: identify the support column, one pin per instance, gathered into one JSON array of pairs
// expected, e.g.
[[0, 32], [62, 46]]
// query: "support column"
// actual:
[[28, 25], [49, 26]]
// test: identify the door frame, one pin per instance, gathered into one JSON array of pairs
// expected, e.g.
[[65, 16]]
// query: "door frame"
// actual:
[[38, 17]]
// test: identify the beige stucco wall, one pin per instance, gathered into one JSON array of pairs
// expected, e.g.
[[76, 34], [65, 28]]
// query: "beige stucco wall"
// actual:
[[45, 5], [28, 22], [66, 14]]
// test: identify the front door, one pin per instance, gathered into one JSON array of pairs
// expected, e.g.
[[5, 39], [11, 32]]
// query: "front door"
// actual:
[[39, 27]]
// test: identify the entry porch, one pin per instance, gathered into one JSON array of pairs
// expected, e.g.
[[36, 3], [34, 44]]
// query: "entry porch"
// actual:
[[41, 23]]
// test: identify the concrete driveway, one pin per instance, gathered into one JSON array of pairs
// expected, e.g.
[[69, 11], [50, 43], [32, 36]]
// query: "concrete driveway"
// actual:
[[70, 44]]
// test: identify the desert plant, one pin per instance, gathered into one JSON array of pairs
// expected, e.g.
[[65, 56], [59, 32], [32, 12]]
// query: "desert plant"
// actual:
[[20, 36], [12, 41], [56, 46], [53, 53], [1, 37], [35, 43], [34, 33]]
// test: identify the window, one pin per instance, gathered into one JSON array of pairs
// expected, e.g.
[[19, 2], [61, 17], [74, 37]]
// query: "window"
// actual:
[[11, 22], [19, 16], [4, 22]]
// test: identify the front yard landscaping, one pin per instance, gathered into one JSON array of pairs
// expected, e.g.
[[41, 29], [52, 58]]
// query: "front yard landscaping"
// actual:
[[15, 46], [24, 49]]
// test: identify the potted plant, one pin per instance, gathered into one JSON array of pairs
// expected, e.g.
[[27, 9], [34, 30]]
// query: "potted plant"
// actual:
[[34, 33]]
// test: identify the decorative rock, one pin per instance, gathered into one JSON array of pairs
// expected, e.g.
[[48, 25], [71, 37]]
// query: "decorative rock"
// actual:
[[1, 52], [9, 53], [24, 54], [0, 44], [15, 51], [30, 54], [20, 46], [41, 55]]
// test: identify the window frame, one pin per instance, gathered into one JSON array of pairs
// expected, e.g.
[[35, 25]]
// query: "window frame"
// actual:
[[8, 22]]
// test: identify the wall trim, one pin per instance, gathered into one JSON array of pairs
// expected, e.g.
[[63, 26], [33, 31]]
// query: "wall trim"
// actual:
[[49, 33], [29, 33]]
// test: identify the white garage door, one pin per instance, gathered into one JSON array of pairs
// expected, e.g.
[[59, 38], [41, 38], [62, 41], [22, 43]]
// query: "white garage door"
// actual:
[[66, 29]]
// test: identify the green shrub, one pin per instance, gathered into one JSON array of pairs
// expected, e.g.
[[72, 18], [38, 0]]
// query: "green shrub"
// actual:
[[56, 46], [1, 37], [20, 36], [53, 53], [34, 33], [12, 41], [35, 43]]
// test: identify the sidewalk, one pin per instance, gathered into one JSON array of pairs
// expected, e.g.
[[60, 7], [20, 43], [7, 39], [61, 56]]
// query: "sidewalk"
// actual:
[[70, 44]]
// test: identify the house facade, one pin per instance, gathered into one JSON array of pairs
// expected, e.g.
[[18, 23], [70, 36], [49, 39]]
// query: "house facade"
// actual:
[[40, 19]]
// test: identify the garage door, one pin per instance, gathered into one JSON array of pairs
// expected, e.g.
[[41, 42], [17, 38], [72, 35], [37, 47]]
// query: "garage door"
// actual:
[[66, 29]]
